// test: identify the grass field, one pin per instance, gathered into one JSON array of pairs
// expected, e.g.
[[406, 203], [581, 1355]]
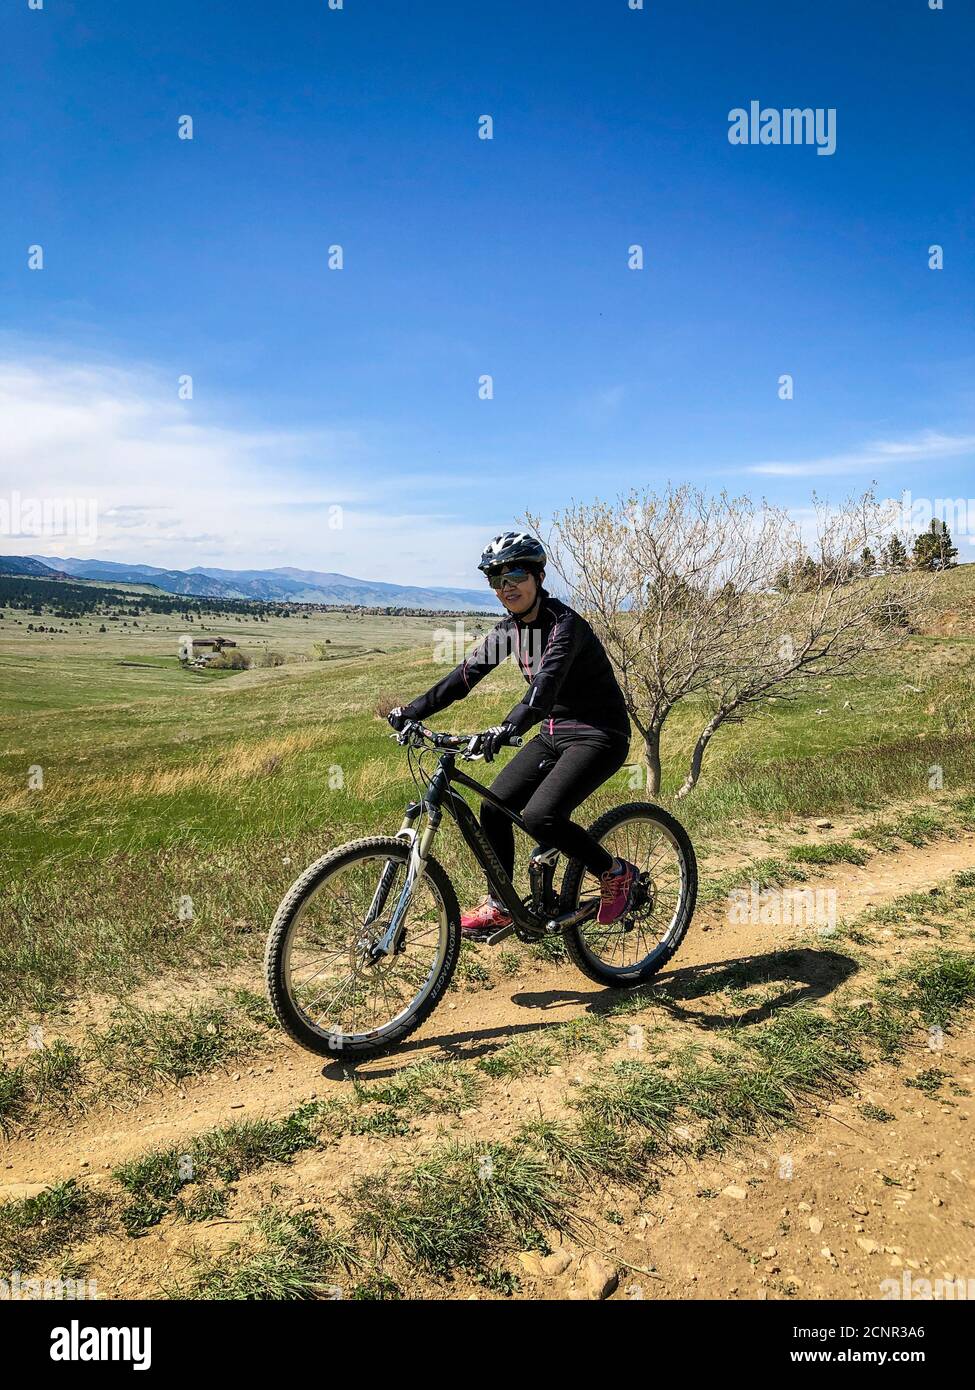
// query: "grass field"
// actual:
[[163, 786], [160, 781]]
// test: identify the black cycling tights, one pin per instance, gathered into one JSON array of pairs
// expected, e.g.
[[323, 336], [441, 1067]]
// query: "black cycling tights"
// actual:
[[545, 781]]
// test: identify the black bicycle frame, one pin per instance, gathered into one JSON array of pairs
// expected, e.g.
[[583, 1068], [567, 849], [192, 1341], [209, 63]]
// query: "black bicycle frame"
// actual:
[[440, 795]]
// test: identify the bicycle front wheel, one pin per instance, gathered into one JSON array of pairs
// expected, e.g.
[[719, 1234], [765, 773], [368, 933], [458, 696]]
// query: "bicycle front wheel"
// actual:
[[329, 989], [634, 948]]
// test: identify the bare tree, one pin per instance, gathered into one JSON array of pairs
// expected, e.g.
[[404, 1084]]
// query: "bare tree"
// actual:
[[681, 588], [828, 627], [660, 578]]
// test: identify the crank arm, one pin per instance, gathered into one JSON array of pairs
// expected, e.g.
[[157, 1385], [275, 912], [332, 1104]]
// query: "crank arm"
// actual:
[[574, 918]]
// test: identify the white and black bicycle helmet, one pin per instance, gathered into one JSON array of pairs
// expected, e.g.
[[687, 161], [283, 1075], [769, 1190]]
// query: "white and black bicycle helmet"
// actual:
[[513, 547]]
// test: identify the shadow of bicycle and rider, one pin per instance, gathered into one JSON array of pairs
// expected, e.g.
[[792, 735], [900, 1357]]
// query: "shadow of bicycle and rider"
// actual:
[[806, 976]]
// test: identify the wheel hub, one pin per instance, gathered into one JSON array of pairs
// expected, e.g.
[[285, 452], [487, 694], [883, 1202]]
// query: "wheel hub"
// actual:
[[365, 953]]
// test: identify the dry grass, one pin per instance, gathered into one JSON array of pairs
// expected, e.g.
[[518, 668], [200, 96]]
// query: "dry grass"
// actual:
[[239, 762]]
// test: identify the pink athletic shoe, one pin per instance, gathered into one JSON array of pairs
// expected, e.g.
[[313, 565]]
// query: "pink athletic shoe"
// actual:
[[615, 891], [485, 918]]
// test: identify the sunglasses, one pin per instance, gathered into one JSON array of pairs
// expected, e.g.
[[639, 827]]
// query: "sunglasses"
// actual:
[[512, 576]]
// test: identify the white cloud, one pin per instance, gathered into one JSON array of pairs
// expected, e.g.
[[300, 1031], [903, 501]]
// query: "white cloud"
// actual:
[[928, 445], [176, 484]]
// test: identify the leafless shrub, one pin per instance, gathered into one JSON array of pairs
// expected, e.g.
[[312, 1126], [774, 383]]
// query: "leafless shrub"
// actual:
[[684, 589]]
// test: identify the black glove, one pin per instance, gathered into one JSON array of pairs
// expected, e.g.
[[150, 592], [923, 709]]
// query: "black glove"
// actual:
[[397, 718], [491, 740]]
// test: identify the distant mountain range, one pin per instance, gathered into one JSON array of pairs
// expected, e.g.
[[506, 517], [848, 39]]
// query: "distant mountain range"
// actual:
[[26, 564], [286, 585]]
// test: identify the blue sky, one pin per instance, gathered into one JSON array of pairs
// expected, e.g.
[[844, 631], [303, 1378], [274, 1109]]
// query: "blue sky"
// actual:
[[358, 388]]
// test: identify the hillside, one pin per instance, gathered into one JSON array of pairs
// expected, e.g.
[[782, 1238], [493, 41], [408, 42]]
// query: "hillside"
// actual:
[[949, 603], [283, 585], [27, 565]]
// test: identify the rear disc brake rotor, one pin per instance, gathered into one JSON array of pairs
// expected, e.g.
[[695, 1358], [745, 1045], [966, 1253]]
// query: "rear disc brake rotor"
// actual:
[[641, 902]]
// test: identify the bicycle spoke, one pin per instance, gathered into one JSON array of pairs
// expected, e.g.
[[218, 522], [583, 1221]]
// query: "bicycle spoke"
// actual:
[[337, 980], [335, 997], [632, 939]]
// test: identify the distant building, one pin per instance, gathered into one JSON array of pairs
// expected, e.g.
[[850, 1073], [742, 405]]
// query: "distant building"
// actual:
[[188, 644]]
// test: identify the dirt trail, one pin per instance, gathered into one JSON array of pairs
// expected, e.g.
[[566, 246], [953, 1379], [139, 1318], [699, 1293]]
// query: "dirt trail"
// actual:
[[837, 1209], [466, 1025]]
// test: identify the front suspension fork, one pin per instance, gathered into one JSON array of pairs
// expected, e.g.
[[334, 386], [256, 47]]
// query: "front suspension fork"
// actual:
[[391, 938], [388, 874]]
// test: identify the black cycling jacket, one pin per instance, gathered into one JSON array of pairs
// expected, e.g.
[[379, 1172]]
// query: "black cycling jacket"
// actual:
[[570, 679]]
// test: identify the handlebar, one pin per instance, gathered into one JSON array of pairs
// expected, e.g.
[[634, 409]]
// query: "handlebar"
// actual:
[[416, 734]]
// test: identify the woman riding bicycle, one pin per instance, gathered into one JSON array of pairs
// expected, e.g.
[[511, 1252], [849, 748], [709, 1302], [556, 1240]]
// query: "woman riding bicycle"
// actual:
[[585, 734]]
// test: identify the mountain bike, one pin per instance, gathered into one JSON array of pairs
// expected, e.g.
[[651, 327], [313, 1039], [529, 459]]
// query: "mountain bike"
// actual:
[[365, 942]]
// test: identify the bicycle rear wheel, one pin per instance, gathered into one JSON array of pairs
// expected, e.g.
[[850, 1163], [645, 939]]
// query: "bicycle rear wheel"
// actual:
[[634, 948], [330, 992]]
